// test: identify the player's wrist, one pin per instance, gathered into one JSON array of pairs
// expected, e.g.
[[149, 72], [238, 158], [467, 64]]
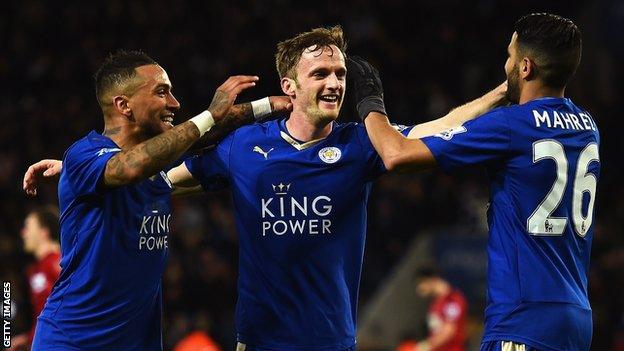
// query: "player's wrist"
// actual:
[[261, 108], [373, 103], [203, 121]]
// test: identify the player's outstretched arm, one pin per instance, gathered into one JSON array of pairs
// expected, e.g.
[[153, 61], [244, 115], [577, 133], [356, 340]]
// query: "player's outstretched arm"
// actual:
[[183, 181], [180, 177], [45, 168], [462, 114], [242, 114], [397, 152], [238, 115], [147, 158]]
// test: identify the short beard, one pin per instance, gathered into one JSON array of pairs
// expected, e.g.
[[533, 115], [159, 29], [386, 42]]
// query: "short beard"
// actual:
[[318, 117], [513, 85]]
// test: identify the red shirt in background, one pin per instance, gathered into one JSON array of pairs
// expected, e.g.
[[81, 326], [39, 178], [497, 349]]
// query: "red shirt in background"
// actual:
[[41, 277], [197, 341], [449, 308]]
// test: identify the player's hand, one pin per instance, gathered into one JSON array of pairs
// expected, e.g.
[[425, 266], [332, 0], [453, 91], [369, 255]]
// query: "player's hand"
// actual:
[[226, 94], [366, 86], [280, 104], [499, 94], [44, 168]]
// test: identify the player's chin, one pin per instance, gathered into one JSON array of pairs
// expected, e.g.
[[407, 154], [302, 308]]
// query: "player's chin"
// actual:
[[329, 115], [330, 112], [158, 128], [166, 125]]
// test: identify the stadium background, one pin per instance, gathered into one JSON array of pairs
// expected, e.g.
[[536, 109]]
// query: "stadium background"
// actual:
[[433, 55]]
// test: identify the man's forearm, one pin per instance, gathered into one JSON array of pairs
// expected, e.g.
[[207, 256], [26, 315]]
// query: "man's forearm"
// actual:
[[150, 156], [461, 114], [237, 116], [396, 151]]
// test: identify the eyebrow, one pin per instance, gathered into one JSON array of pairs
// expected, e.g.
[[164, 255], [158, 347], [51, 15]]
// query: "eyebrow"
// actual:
[[164, 85], [341, 70]]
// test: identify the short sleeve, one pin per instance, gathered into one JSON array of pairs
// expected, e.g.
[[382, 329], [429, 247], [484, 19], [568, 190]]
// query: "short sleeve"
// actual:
[[481, 140], [84, 165], [376, 167], [212, 168]]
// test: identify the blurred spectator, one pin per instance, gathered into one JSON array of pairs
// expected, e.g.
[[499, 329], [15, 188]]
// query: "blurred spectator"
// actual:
[[41, 239], [446, 319], [196, 341]]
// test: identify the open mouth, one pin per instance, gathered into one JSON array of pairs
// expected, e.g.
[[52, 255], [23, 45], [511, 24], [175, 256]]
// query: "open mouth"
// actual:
[[167, 119], [330, 98]]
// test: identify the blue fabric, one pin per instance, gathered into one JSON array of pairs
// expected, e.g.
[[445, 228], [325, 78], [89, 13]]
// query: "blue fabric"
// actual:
[[301, 221], [537, 269], [113, 253]]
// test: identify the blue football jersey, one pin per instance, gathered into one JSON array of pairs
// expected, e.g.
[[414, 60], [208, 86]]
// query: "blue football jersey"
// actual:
[[113, 252], [542, 160], [301, 220]]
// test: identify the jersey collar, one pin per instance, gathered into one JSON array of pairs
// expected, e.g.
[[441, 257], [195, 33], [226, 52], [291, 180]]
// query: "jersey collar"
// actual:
[[297, 144]]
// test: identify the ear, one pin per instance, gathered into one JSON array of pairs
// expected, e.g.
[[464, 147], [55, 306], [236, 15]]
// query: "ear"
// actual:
[[289, 86], [121, 103], [527, 69]]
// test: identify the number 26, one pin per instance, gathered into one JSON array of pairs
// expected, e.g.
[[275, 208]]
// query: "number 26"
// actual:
[[541, 222]]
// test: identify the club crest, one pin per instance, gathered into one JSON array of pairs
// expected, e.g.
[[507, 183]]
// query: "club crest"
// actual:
[[330, 154]]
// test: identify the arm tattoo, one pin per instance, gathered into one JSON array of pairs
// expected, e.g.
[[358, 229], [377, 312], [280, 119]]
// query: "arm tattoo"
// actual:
[[150, 156], [237, 116], [220, 103]]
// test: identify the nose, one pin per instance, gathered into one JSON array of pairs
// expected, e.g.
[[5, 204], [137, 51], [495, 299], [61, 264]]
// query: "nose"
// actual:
[[333, 83], [173, 103]]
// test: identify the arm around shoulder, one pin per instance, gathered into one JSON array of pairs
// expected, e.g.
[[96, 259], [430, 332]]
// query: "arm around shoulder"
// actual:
[[460, 115], [397, 152]]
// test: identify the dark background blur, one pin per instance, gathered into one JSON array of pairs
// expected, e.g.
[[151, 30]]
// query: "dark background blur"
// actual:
[[433, 55]]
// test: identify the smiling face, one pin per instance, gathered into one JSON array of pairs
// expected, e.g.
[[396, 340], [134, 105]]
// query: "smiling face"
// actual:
[[151, 104], [319, 85]]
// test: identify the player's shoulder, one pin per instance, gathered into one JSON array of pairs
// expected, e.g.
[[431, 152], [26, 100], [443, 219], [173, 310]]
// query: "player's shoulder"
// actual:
[[255, 130], [258, 127], [495, 120], [549, 103], [357, 130], [349, 127], [348, 132], [502, 111], [92, 142]]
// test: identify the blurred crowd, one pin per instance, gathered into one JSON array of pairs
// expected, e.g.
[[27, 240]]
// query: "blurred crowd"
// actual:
[[432, 56]]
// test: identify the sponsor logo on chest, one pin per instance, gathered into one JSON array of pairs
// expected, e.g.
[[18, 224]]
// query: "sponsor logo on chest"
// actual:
[[154, 229], [284, 213]]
